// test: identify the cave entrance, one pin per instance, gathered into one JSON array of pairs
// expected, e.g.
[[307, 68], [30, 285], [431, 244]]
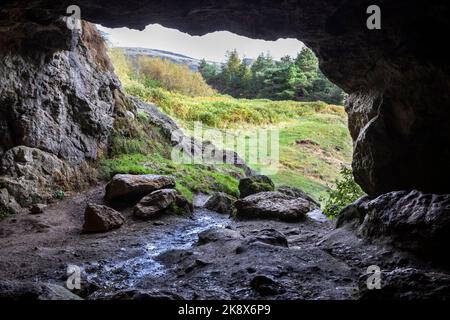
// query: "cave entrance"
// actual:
[[266, 100]]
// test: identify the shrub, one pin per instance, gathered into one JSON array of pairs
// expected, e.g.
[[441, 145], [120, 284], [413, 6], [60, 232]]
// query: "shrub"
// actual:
[[345, 192], [170, 76]]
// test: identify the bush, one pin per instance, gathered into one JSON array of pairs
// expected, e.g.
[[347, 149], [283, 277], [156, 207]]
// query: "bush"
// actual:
[[345, 192], [157, 72]]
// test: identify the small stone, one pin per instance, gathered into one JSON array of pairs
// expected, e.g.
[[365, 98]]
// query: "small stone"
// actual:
[[37, 208], [99, 218]]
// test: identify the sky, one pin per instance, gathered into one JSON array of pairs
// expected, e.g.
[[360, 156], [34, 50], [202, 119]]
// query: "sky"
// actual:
[[212, 46]]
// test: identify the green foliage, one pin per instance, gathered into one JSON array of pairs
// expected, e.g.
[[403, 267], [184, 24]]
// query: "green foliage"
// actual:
[[190, 178], [287, 79], [59, 194], [345, 192]]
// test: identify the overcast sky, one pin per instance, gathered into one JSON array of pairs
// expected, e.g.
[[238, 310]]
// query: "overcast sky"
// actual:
[[212, 46]]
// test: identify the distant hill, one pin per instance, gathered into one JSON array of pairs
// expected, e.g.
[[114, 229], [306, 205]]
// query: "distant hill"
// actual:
[[192, 63]]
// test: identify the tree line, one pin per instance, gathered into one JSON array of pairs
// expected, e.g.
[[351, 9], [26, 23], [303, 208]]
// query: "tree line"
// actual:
[[289, 78]]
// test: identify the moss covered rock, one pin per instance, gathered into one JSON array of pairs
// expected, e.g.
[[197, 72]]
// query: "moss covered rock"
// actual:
[[255, 184]]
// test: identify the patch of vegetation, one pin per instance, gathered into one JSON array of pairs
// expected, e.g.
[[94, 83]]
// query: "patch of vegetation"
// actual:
[[345, 192], [296, 78], [59, 194], [314, 139], [190, 177]]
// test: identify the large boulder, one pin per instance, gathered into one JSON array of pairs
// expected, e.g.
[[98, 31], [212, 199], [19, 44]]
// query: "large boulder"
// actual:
[[409, 220], [272, 205], [220, 202], [297, 193], [160, 202], [255, 184], [131, 187], [99, 218]]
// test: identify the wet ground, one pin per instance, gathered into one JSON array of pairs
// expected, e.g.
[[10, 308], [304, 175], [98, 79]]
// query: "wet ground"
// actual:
[[208, 256]]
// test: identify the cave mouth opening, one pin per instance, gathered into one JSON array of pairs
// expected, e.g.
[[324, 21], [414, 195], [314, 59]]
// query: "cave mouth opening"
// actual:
[[236, 89]]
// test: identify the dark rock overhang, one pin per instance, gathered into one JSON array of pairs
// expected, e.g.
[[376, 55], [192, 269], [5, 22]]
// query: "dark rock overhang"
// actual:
[[396, 77]]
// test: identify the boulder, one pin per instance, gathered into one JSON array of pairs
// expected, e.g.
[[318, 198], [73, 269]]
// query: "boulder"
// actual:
[[297, 193], [272, 205], [266, 286], [24, 290], [220, 202], [37, 208], [409, 220], [99, 218], [255, 184], [130, 187], [160, 202], [407, 284]]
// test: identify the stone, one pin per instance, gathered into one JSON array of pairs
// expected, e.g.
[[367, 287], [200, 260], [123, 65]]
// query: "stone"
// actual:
[[37, 208], [146, 295], [24, 290], [130, 187], [7, 203], [152, 205], [297, 193], [272, 205], [220, 202], [213, 235], [254, 184], [31, 175], [268, 236], [99, 218], [407, 284], [266, 286], [410, 220]]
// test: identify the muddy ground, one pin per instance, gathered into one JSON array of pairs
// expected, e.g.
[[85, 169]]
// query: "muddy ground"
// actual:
[[209, 256]]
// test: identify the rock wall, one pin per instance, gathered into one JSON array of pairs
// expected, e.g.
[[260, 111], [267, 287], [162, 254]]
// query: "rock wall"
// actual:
[[61, 102], [396, 77]]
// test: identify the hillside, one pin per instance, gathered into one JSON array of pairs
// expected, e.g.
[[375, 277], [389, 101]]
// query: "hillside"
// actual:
[[177, 58]]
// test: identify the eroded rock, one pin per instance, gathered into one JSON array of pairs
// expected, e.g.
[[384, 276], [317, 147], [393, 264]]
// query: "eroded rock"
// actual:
[[272, 205], [99, 218], [162, 201], [220, 202], [130, 187], [409, 220]]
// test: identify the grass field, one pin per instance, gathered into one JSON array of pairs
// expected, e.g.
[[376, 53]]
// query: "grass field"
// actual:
[[314, 141]]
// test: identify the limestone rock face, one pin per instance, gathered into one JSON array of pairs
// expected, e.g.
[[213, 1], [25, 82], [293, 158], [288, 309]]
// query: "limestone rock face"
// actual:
[[61, 102], [129, 186], [412, 221], [31, 175], [272, 205], [99, 218]]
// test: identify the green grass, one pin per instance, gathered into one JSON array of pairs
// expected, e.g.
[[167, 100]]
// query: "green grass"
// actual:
[[312, 167], [190, 177]]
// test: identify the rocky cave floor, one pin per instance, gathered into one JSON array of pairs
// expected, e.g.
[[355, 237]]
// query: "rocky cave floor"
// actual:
[[209, 256]]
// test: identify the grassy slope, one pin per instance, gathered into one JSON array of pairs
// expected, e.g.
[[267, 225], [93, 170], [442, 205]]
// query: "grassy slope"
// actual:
[[312, 167]]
